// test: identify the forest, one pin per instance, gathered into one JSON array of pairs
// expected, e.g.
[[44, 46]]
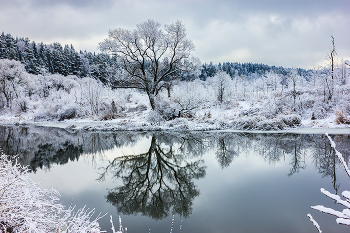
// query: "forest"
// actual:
[[40, 82]]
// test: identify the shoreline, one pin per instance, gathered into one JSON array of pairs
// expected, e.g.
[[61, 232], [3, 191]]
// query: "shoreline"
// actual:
[[125, 125]]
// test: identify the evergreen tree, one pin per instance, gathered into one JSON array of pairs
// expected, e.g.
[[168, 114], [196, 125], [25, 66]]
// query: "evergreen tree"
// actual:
[[29, 58], [58, 62], [2, 46], [11, 47]]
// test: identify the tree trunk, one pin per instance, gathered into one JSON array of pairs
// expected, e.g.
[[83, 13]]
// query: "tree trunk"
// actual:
[[151, 100], [168, 89]]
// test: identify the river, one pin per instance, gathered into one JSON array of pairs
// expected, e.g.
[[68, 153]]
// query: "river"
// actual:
[[188, 181]]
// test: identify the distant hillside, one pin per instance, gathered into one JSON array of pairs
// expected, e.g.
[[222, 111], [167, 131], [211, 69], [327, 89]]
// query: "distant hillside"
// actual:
[[40, 58], [250, 70]]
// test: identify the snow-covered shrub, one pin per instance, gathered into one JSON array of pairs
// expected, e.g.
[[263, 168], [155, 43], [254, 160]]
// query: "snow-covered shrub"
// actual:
[[250, 112], [343, 101], [179, 124], [69, 113], [27, 208], [341, 118], [141, 107], [154, 117], [12, 75], [167, 110], [271, 124], [291, 120], [92, 92], [191, 95], [22, 104], [319, 113], [108, 116], [247, 123], [221, 83], [260, 122], [45, 115]]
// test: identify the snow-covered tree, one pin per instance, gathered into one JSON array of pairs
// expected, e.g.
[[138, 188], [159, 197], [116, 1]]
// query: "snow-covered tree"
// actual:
[[150, 54], [11, 74], [221, 82]]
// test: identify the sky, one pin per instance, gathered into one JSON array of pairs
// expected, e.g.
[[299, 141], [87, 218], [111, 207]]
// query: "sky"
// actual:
[[289, 33]]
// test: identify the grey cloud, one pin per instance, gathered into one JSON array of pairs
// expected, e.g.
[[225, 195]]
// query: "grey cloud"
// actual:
[[288, 32], [78, 4]]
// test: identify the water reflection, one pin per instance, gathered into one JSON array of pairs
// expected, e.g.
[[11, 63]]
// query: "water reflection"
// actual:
[[227, 150], [161, 180], [48, 154]]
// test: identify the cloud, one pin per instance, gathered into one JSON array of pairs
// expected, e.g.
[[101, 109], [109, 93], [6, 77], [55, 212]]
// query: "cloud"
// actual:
[[287, 33]]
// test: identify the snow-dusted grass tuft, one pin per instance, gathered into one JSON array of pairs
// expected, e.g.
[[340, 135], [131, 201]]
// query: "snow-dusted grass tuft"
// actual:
[[26, 207]]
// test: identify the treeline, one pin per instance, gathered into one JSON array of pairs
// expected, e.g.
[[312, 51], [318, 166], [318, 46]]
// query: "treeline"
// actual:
[[40, 58], [249, 70]]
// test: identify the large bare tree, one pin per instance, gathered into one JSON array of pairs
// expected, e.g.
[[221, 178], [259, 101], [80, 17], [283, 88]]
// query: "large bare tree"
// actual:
[[150, 54]]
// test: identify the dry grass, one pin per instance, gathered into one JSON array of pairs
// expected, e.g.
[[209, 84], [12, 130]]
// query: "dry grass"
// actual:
[[341, 118]]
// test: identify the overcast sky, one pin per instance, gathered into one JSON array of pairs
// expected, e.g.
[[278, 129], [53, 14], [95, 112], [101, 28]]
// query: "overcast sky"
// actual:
[[289, 33]]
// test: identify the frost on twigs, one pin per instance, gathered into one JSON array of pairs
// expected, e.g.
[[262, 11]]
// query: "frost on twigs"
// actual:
[[25, 207], [344, 216], [339, 155], [315, 223], [121, 230]]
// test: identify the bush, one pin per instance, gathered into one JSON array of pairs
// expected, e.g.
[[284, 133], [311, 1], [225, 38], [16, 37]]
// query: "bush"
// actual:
[[49, 115], [272, 124], [27, 208], [108, 116], [154, 117], [247, 123], [69, 113], [341, 118], [141, 107], [167, 110], [291, 120]]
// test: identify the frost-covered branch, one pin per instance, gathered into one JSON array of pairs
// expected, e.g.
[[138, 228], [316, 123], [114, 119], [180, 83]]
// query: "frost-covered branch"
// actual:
[[315, 223], [27, 208], [339, 155], [344, 216]]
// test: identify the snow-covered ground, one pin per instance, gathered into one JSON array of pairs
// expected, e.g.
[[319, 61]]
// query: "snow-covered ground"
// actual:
[[226, 120], [270, 102]]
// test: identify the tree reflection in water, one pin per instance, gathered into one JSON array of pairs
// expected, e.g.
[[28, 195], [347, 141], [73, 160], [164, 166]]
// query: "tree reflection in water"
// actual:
[[161, 180], [158, 181], [226, 150]]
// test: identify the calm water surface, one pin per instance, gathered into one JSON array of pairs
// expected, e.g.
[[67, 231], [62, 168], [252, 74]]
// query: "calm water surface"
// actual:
[[203, 182]]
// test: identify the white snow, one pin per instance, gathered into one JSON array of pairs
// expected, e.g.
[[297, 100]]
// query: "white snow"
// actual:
[[28, 208], [339, 155], [344, 216], [343, 221], [329, 211], [263, 103], [315, 223], [346, 194]]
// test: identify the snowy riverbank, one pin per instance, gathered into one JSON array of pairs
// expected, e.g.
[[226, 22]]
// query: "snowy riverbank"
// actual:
[[269, 103], [140, 122]]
